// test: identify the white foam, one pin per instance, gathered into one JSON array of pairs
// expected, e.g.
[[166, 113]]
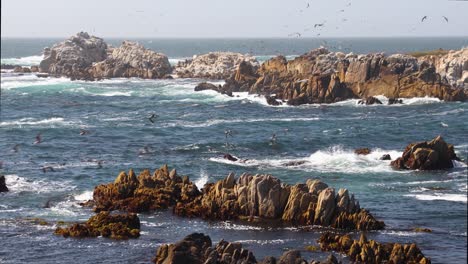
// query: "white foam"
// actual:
[[333, 159], [204, 177], [18, 184], [27, 80], [23, 61], [85, 196], [264, 242], [54, 121], [213, 122], [440, 197]]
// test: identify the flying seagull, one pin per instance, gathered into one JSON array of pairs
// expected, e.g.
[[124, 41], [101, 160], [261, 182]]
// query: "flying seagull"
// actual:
[[446, 19], [424, 18], [318, 25], [152, 117]]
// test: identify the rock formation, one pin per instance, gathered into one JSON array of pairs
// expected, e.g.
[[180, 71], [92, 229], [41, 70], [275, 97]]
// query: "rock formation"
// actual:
[[370, 251], [146, 192], [209, 86], [321, 76], [3, 187], [370, 101], [115, 226], [253, 198], [452, 67], [132, 60], [362, 151], [88, 57], [214, 65], [197, 248], [429, 155], [72, 57]]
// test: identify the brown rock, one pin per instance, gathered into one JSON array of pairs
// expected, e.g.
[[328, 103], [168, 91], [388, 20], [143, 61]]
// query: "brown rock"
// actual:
[[429, 155], [362, 151]]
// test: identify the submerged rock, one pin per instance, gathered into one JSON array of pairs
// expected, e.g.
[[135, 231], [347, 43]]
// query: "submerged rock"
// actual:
[[429, 155], [209, 86], [3, 187], [386, 157], [197, 248], [392, 101], [115, 226], [214, 65], [251, 197], [370, 251], [370, 101]]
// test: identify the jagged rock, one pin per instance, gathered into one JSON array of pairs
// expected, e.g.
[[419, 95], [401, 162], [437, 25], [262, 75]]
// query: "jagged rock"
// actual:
[[452, 67], [19, 69], [214, 65], [386, 157], [115, 226], [370, 251], [146, 192], [209, 86], [131, 59], [370, 101], [394, 101], [321, 76], [362, 151], [3, 187], [197, 249], [264, 198], [74, 56], [271, 100], [430, 155]]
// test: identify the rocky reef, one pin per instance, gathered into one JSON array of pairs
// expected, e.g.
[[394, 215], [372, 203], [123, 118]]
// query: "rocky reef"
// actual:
[[452, 66], [251, 197], [3, 187], [370, 251], [106, 224], [197, 248], [321, 76], [88, 57], [428, 155], [214, 65]]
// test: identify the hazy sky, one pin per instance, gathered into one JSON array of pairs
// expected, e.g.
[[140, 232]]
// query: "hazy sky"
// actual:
[[235, 18]]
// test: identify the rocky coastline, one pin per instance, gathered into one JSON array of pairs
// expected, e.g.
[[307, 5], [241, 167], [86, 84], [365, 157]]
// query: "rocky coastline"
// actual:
[[319, 76]]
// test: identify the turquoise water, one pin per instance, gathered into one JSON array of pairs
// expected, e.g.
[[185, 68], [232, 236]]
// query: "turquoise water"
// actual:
[[189, 135]]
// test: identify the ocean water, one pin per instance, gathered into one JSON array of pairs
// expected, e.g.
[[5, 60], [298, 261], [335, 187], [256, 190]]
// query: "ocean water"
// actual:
[[189, 136]]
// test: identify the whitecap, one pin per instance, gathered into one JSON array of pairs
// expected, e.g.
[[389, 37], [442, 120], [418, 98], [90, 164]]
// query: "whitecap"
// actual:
[[18, 184], [213, 122], [23, 61], [440, 197], [204, 177], [53, 121], [264, 242]]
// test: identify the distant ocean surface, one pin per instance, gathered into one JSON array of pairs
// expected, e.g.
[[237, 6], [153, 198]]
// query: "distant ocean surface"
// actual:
[[189, 136]]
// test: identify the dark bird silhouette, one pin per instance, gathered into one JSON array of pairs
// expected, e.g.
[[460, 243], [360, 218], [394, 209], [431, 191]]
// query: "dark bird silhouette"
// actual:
[[45, 168], [16, 148], [152, 117], [38, 139], [47, 204], [446, 19], [308, 5], [424, 18], [273, 139], [99, 163], [318, 25], [83, 132]]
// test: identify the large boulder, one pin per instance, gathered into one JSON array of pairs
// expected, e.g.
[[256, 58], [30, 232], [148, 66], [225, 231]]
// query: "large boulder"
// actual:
[[452, 67], [73, 56], [429, 155], [370, 251], [3, 187], [114, 226], [131, 59], [214, 65]]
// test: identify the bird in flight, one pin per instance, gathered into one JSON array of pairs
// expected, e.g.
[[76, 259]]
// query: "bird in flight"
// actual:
[[446, 19], [83, 132], [308, 5], [152, 117], [318, 25], [296, 33], [424, 18], [38, 139]]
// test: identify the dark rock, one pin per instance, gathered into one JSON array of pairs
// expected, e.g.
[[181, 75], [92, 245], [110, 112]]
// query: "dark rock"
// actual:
[[430, 155], [115, 226], [394, 101], [271, 100], [370, 251], [386, 157], [229, 157], [370, 101], [362, 151], [294, 163], [3, 187], [206, 86], [7, 67]]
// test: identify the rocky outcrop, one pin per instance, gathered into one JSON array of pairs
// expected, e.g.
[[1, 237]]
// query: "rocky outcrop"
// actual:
[[321, 76], [251, 198], [369, 101], [132, 60], [370, 251], [452, 67], [265, 198], [3, 187], [429, 155], [214, 65], [197, 248], [146, 192], [209, 86], [114, 226], [72, 57]]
